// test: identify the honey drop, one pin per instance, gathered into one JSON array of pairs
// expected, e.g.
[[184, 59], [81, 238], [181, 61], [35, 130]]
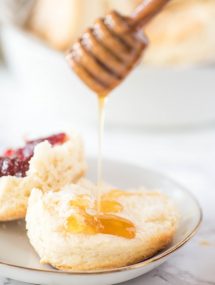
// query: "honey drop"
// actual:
[[114, 225], [110, 206]]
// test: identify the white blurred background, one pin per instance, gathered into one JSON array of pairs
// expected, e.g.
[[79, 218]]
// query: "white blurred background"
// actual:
[[172, 88]]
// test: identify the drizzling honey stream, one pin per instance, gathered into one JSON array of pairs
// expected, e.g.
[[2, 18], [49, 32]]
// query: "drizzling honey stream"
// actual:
[[101, 116]]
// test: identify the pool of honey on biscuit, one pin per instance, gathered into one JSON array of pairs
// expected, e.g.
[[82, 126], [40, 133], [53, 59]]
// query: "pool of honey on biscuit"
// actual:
[[88, 221]]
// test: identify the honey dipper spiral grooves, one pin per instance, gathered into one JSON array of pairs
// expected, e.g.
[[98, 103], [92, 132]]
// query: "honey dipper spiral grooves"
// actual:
[[105, 53]]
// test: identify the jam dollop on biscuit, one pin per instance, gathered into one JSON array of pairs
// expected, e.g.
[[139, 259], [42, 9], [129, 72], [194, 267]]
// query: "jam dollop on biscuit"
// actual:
[[15, 162]]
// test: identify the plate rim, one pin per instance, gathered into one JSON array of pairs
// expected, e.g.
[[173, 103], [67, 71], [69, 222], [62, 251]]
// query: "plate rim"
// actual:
[[145, 262]]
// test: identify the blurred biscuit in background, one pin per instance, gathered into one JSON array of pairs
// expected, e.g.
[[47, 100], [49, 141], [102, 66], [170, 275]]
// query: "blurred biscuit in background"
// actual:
[[60, 22], [183, 33]]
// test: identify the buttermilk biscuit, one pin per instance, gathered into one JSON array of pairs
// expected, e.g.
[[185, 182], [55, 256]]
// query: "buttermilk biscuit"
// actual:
[[51, 167], [183, 33], [152, 213], [60, 22]]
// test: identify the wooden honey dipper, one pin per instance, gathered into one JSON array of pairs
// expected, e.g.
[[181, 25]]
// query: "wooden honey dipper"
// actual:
[[105, 54]]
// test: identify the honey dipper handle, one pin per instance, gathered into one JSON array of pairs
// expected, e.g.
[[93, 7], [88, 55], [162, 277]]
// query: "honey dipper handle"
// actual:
[[145, 11]]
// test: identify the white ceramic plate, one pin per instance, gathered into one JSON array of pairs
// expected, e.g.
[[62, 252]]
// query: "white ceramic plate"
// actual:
[[19, 261]]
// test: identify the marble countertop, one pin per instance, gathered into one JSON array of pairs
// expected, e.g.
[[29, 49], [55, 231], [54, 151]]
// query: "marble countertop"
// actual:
[[188, 157]]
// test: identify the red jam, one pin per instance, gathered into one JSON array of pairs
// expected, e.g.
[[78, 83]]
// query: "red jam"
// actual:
[[15, 162]]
